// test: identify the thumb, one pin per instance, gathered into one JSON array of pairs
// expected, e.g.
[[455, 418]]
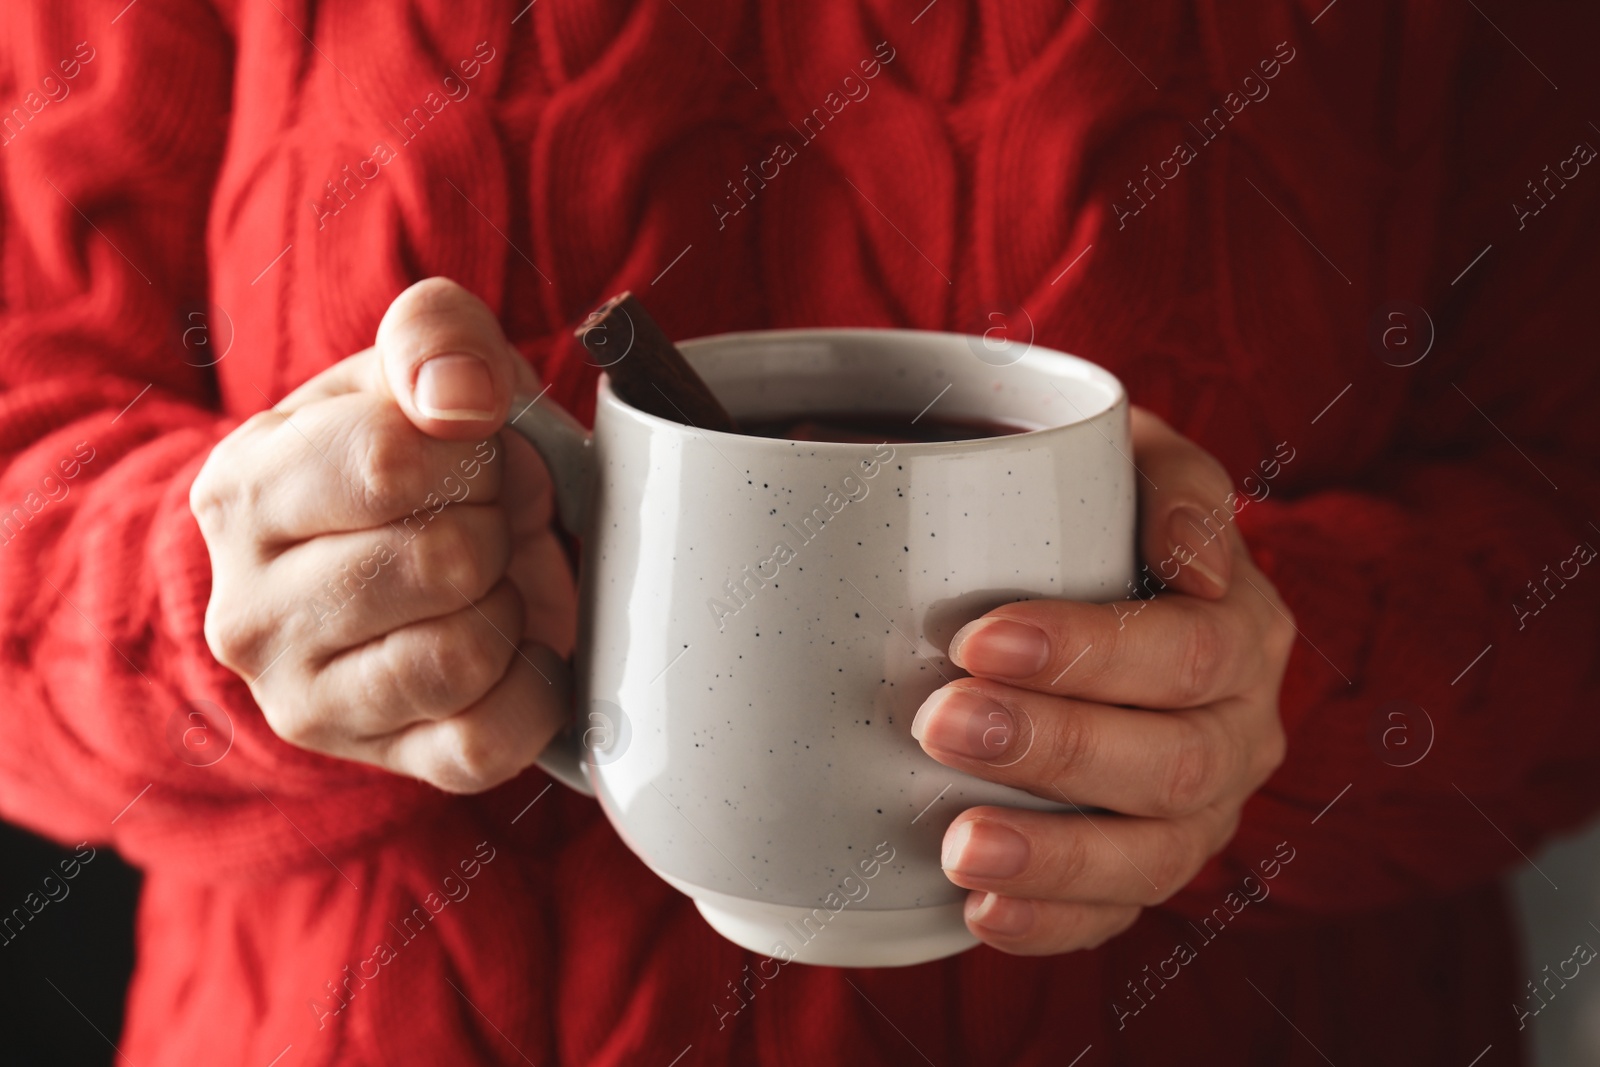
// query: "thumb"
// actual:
[[447, 363]]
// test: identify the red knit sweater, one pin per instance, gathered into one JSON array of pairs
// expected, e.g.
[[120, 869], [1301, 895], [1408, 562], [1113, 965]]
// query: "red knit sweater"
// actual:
[[167, 204]]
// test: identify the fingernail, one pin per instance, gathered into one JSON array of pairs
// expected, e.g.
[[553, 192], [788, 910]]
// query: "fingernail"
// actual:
[[1002, 915], [984, 849], [1207, 550], [965, 723], [457, 387], [1003, 648]]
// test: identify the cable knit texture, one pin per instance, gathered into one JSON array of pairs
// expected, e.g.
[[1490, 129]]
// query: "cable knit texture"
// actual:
[[602, 144]]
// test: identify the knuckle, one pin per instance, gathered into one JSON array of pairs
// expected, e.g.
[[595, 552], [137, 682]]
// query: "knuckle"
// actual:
[[1070, 856], [222, 487], [454, 669], [445, 553], [1108, 647], [235, 640], [294, 728], [265, 420], [207, 494], [295, 722], [1187, 782], [1203, 646], [1074, 743], [220, 636], [471, 660], [385, 694], [386, 461], [468, 760]]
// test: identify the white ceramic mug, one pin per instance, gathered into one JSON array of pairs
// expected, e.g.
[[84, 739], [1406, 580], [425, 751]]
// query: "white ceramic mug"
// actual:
[[761, 618]]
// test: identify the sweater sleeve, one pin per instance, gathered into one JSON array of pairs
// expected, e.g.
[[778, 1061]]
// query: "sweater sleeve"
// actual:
[[1440, 701], [117, 724]]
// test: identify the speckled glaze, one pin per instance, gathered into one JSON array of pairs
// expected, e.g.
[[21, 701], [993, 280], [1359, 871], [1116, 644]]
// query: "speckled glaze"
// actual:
[[761, 618]]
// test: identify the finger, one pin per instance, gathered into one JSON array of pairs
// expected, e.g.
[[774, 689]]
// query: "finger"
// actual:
[[1080, 858], [1186, 510], [343, 590], [1170, 652], [354, 462], [1043, 928], [447, 363], [425, 671], [1160, 764], [539, 567], [493, 740]]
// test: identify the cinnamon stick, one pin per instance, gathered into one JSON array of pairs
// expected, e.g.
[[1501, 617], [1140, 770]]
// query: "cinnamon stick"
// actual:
[[646, 368]]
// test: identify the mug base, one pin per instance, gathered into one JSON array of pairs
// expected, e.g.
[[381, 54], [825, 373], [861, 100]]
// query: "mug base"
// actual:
[[851, 937]]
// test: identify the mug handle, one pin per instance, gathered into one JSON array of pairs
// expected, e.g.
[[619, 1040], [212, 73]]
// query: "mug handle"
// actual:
[[568, 452]]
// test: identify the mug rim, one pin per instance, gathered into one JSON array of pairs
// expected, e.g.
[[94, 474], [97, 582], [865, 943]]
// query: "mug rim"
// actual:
[[1093, 371]]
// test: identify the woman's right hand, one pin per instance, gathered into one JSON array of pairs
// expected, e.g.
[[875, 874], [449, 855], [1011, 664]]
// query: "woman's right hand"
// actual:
[[384, 572]]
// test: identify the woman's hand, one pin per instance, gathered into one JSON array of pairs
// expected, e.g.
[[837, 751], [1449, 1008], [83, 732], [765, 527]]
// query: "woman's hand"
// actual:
[[384, 574], [1165, 711]]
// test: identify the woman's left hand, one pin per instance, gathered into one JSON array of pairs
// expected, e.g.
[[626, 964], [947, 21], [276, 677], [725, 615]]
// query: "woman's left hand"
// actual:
[[1163, 710]]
